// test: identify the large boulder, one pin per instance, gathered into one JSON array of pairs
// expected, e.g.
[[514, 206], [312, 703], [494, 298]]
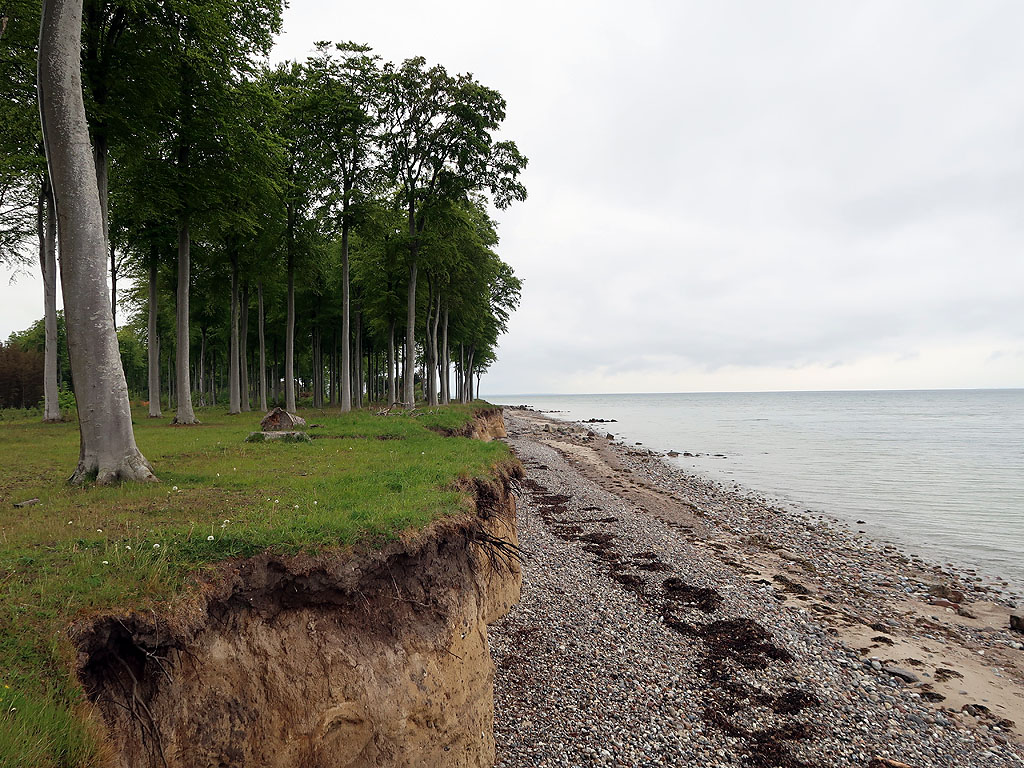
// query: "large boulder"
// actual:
[[279, 420]]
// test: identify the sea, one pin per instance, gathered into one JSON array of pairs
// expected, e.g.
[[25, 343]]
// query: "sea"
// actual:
[[938, 473]]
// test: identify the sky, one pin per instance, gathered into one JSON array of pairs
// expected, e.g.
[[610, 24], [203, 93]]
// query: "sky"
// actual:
[[737, 195]]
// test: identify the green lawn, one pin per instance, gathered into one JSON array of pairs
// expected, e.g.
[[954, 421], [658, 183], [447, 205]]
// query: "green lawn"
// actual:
[[78, 551]]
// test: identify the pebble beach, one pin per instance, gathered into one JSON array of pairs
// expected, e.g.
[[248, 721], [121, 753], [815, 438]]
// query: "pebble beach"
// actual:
[[669, 620]]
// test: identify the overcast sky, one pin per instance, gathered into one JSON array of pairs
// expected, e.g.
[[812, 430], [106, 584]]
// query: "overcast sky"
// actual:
[[738, 195]]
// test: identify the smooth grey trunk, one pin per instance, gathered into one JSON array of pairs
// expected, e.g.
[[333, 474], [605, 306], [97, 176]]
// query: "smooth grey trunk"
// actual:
[[445, 361], [410, 340], [107, 441], [462, 369], [315, 356], [113, 284], [433, 353], [391, 364], [46, 226], [346, 329], [234, 394], [357, 368], [184, 414], [153, 344], [243, 349], [289, 343], [201, 373], [334, 367], [263, 349]]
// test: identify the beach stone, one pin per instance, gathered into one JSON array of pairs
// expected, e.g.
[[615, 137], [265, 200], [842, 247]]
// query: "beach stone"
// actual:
[[901, 673], [1017, 623], [279, 420], [946, 592]]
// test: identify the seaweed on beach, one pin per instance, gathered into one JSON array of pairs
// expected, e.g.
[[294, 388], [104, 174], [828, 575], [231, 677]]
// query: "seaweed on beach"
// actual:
[[702, 598]]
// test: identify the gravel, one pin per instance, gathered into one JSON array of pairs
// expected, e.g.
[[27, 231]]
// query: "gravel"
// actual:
[[638, 643]]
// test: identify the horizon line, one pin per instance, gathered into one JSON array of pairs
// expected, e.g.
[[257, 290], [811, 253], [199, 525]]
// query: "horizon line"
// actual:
[[760, 391]]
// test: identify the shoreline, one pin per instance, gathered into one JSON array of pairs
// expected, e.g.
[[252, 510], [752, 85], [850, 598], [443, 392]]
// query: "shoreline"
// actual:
[[872, 529], [909, 642]]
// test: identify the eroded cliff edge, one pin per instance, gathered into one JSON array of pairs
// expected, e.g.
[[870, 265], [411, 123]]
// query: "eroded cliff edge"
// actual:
[[373, 659]]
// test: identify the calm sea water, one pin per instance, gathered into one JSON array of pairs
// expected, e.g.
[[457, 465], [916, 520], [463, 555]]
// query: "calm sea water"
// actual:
[[939, 472]]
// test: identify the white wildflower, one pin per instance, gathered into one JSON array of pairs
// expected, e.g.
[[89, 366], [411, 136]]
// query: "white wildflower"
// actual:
[[209, 538], [156, 546]]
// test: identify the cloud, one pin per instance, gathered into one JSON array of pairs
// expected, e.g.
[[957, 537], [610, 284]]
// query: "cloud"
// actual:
[[742, 194]]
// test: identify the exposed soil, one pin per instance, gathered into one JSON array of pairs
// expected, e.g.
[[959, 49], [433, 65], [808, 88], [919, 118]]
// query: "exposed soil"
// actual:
[[345, 659]]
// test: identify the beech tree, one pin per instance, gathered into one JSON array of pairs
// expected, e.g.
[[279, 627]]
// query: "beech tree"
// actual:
[[26, 198], [107, 451], [438, 145], [345, 82], [212, 45]]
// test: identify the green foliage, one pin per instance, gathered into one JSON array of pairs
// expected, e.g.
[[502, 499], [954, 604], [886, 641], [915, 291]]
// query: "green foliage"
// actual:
[[363, 479], [66, 400]]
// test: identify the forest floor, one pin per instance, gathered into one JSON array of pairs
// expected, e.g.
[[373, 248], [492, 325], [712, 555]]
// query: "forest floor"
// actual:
[[77, 551], [669, 620]]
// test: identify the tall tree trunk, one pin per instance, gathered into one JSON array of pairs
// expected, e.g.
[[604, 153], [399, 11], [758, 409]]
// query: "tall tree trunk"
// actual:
[[434, 366], [243, 348], [113, 283], [275, 379], [357, 389], [445, 361], [289, 342], [410, 339], [234, 359], [346, 323], [469, 373], [314, 355], [185, 414], [334, 367], [46, 228], [263, 349], [201, 373], [462, 372], [391, 364], [107, 441], [153, 350]]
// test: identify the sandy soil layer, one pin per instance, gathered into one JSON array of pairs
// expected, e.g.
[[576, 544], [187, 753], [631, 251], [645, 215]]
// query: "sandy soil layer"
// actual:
[[668, 620]]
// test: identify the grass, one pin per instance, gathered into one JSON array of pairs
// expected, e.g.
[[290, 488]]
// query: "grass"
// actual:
[[84, 550]]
